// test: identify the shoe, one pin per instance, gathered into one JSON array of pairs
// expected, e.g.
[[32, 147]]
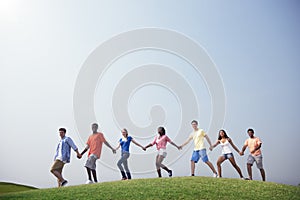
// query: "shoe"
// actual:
[[64, 183], [247, 179], [124, 179], [89, 182], [170, 173], [215, 175]]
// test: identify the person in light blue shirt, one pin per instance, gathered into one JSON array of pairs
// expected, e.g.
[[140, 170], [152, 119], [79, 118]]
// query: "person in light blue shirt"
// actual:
[[124, 143], [62, 156]]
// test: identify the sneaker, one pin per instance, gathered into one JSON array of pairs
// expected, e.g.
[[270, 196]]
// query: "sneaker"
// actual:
[[170, 173], [64, 183], [215, 175], [124, 179], [89, 182]]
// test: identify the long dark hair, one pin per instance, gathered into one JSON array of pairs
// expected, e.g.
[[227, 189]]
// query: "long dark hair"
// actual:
[[161, 131], [225, 134]]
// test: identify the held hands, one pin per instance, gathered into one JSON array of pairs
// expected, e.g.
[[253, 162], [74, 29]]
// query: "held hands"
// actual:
[[179, 147], [144, 148], [79, 156], [113, 150], [241, 153], [211, 148]]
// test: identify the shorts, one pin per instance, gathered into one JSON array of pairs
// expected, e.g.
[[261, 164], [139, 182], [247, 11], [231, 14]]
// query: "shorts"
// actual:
[[91, 162], [258, 159], [162, 152], [199, 154], [227, 155], [58, 165]]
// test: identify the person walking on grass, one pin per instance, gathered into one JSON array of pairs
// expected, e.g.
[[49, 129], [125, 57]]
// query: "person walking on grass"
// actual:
[[62, 156], [225, 143], [161, 142], [254, 145], [124, 143], [198, 136], [94, 145]]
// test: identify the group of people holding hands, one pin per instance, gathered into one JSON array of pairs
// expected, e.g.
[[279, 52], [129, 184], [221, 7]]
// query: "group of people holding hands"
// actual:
[[96, 139]]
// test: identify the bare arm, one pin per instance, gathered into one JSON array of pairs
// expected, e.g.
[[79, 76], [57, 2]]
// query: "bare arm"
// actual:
[[258, 147], [243, 150], [186, 142], [178, 147], [137, 144], [208, 140], [119, 145], [214, 145], [235, 148], [85, 150], [108, 145], [149, 145]]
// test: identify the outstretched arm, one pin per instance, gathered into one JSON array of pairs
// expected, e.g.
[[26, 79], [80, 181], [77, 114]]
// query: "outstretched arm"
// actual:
[[178, 147], [137, 144], [149, 145], [186, 142], [235, 148], [208, 140], [243, 150], [85, 150], [213, 146], [119, 145], [108, 145]]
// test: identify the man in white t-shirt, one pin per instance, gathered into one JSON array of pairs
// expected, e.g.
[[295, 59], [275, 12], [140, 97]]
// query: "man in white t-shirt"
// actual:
[[198, 136]]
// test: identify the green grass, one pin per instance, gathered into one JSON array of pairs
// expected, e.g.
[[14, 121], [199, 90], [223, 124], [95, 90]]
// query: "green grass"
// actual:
[[167, 188], [11, 187]]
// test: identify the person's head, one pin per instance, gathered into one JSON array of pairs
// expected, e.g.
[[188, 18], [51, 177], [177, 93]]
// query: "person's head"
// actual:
[[62, 132], [94, 127], [222, 134], [124, 132], [194, 124], [161, 131], [250, 132]]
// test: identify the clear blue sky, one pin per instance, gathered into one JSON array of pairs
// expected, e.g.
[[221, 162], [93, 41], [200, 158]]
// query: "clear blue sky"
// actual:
[[254, 44]]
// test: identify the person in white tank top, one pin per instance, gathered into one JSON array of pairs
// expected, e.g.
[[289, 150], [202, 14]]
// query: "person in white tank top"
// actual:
[[224, 141]]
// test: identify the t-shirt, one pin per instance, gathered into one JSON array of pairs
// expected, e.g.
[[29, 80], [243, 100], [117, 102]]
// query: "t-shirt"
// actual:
[[95, 142], [253, 143], [59, 154], [198, 137], [125, 143], [161, 142]]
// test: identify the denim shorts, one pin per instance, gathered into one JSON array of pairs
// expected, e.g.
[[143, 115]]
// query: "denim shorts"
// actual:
[[199, 154], [258, 159], [227, 155]]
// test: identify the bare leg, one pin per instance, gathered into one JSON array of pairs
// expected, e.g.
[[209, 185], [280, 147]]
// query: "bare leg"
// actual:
[[211, 167], [263, 174], [58, 175], [94, 175], [249, 169], [219, 162], [89, 173], [232, 161], [157, 166], [192, 168]]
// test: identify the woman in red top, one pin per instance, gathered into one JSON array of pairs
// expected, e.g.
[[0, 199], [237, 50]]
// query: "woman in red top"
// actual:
[[161, 143]]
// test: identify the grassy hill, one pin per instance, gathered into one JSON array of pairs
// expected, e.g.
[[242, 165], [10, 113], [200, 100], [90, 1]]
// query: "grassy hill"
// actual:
[[11, 187], [167, 188]]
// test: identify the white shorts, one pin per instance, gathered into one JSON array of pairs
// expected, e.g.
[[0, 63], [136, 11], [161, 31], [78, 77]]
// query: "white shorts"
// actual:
[[162, 152]]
